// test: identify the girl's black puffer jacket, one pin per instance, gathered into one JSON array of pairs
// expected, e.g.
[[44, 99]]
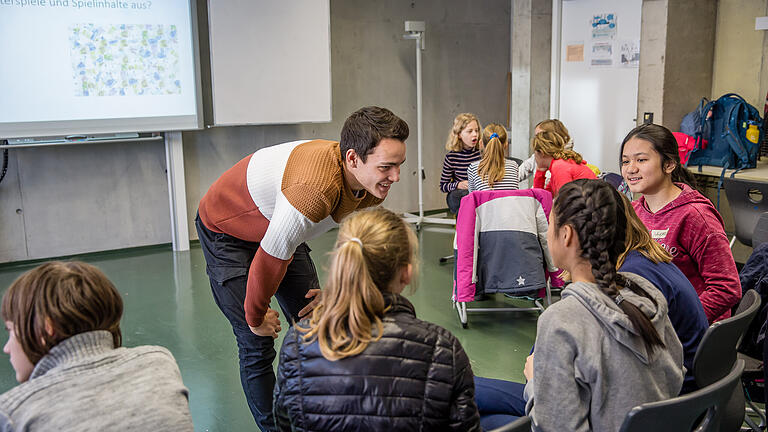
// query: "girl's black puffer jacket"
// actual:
[[415, 378]]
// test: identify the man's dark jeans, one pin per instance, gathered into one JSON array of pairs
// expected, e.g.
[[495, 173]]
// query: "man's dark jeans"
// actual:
[[228, 260]]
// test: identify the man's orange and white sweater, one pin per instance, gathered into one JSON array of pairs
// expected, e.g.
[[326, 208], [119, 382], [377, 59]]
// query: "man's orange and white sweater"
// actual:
[[280, 196]]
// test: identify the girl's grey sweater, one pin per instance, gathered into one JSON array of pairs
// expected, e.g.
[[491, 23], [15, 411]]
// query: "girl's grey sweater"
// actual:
[[86, 384]]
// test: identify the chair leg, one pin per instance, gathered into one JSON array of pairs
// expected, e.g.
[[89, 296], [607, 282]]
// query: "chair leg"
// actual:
[[549, 294], [733, 241], [757, 411], [461, 309]]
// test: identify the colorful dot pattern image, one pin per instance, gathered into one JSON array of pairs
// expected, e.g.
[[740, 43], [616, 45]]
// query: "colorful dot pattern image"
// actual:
[[125, 59]]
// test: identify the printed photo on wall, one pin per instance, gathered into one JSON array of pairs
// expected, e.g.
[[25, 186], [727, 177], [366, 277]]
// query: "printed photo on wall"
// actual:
[[629, 53], [602, 54]]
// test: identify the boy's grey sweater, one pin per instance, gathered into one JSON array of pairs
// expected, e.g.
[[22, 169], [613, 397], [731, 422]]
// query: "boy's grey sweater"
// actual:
[[591, 366], [85, 384]]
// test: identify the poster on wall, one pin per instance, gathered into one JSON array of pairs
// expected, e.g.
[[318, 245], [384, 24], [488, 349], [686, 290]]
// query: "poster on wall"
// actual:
[[603, 26], [601, 54], [629, 53]]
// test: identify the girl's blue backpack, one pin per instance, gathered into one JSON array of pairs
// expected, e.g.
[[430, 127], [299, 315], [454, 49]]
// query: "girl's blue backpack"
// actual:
[[726, 128]]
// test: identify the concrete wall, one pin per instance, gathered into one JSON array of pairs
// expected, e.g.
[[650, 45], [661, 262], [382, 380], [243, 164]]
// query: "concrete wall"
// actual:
[[740, 51], [676, 55], [82, 198], [530, 66], [689, 57], [653, 41], [108, 196]]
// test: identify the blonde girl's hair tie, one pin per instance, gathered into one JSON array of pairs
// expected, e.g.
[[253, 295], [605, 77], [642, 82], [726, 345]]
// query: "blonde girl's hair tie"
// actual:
[[356, 240]]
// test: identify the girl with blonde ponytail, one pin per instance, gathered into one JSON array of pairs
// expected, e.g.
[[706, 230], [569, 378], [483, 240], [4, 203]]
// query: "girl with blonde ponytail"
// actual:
[[493, 170], [343, 367]]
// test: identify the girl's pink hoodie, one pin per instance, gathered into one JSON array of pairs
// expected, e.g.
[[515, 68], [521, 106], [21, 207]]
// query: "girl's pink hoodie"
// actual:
[[691, 230]]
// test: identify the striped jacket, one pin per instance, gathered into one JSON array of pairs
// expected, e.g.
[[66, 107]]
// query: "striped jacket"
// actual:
[[501, 242], [455, 167]]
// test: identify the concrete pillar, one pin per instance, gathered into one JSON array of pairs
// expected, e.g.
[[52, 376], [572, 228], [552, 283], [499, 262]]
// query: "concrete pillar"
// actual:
[[530, 66], [677, 45], [690, 56]]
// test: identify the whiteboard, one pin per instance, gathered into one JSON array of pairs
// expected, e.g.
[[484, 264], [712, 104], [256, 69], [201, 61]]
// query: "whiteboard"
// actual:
[[82, 67], [598, 102], [270, 61]]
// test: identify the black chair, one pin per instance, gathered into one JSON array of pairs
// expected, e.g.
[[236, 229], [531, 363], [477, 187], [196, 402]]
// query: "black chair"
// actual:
[[523, 424], [716, 356], [748, 200], [700, 411], [760, 235]]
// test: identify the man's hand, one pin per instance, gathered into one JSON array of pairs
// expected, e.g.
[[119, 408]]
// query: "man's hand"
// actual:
[[463, 185], [528, 370], [311, 306], [270, 326]]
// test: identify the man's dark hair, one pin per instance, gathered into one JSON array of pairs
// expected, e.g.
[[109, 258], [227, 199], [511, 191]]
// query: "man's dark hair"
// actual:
[[366, 127]]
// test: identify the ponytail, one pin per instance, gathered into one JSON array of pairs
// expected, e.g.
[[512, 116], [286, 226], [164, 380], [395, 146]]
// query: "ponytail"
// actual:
[[681, 174], [492, 165], [372, 246], [553, 145], [594, 210], [354, 307]]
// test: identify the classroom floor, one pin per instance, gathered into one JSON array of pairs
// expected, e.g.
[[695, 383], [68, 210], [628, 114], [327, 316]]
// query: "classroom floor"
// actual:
[[168, 302]]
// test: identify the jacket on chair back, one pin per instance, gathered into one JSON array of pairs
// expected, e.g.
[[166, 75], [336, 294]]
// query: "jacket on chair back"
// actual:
[[416, 377]]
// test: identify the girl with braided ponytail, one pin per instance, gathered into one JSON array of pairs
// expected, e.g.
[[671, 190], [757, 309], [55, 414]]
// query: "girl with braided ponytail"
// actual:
[[493, 170], [363, 361], [680, 218], [608, 345], [564, 164]]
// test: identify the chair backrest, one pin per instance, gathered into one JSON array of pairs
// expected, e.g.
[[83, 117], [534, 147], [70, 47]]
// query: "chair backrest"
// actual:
[[701, 410], [717, 350], [523, 424], [748, 200], [501, 243], [760, 234]]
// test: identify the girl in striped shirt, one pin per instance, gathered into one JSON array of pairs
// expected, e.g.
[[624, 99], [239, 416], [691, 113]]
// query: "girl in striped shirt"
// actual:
[[463, 147], [493, 170]]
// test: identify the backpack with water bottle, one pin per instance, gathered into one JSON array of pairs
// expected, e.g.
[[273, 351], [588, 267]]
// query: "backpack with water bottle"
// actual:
[[731, 128]]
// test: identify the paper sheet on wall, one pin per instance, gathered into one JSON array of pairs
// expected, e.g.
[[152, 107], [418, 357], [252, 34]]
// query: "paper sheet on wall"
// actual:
[[601, 54], [629, 53], [574, 52], [603, 26]]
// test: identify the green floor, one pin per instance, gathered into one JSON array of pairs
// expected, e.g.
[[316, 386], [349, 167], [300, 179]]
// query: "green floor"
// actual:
[[168, 302]]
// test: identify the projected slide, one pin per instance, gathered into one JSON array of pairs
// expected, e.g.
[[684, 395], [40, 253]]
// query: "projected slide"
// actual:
[[82, 65], [125, 60]]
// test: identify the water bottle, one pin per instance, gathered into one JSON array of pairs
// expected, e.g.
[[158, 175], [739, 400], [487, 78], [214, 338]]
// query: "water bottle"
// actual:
[[752, 132]]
